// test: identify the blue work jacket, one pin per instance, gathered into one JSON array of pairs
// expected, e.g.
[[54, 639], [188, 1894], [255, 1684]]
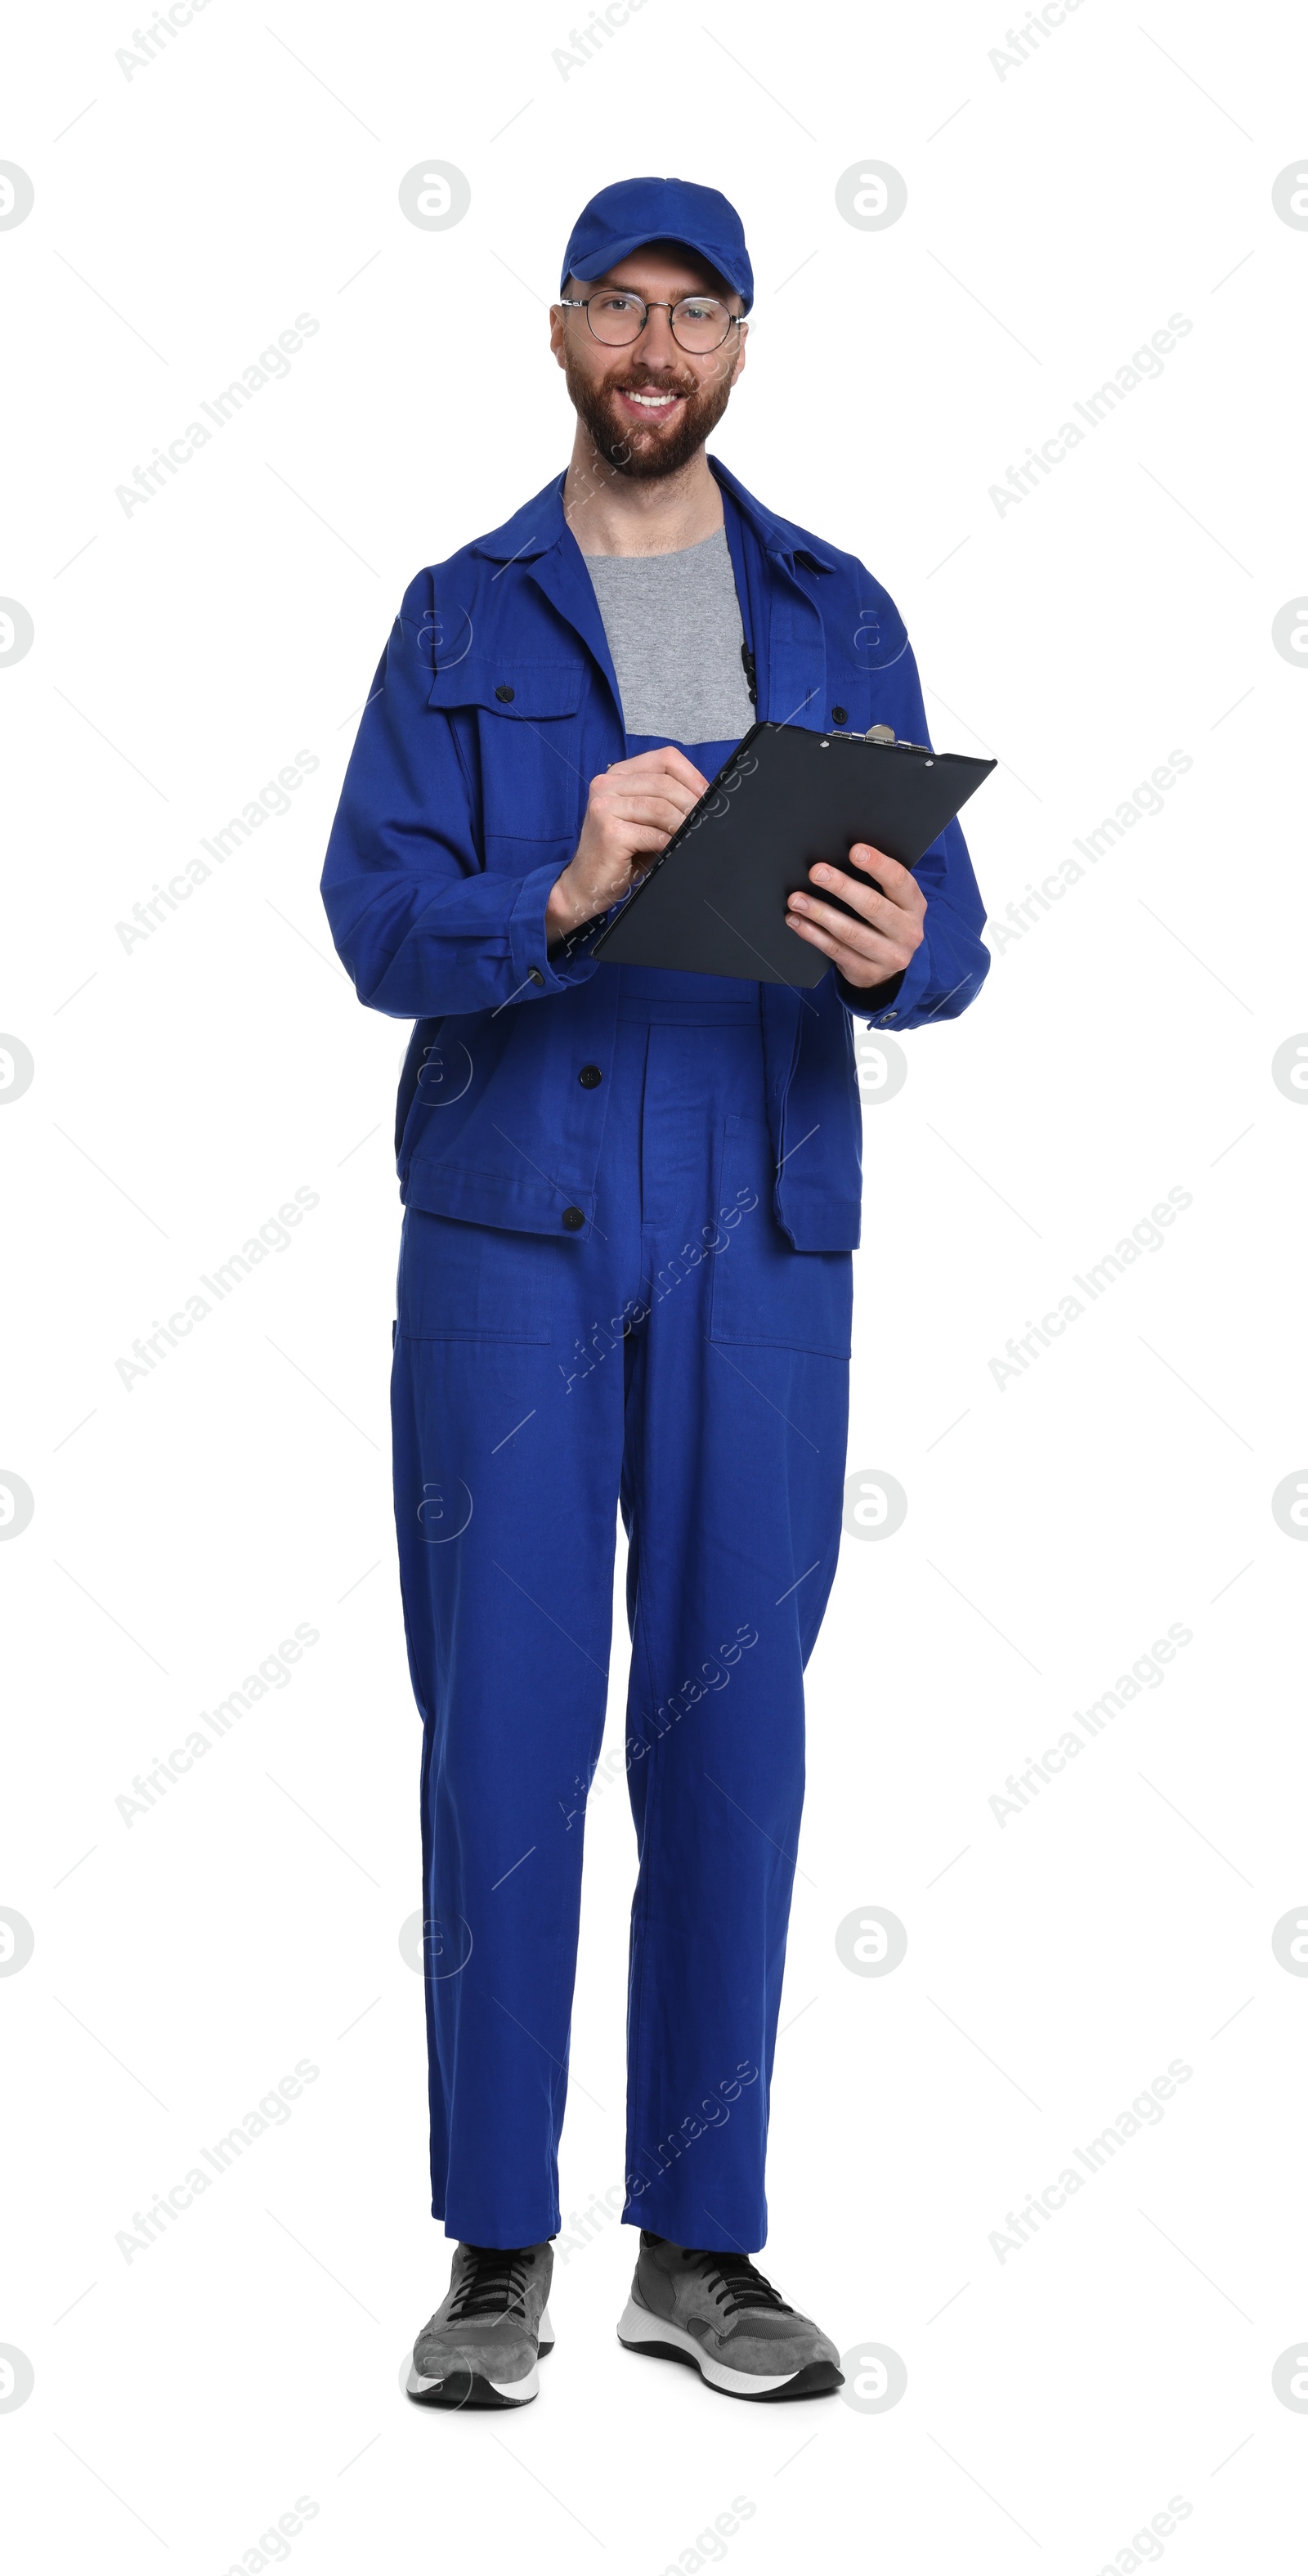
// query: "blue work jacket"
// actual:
[[494, 705]]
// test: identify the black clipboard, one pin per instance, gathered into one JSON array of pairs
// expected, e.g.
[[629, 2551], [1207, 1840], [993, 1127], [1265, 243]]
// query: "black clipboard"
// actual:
[[714, 901]]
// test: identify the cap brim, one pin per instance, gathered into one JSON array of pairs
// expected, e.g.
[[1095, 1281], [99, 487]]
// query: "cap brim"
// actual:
[[623, 248]]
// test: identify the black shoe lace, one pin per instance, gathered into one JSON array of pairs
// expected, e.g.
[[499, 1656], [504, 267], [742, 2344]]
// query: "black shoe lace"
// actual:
[[738, 2283], [494, 2284]]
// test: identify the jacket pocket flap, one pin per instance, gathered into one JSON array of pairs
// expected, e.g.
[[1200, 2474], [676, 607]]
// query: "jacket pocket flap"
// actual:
[[530, 690]]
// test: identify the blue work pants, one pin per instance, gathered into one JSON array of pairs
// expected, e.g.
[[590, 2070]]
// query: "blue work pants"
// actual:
[[680, 1360]]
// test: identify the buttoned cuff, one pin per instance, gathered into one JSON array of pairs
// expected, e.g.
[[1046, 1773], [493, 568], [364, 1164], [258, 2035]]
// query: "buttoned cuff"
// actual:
[[885, 1006], [533, 967]]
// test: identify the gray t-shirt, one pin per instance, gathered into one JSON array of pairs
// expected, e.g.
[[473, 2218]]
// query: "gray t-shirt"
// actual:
[[674, 631]]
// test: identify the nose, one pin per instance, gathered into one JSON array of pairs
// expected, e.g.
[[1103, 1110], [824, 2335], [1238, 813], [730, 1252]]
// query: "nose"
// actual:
[[656, 345]]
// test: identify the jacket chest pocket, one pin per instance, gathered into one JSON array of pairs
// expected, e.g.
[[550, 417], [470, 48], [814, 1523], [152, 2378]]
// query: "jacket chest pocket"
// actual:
[[525, 722]]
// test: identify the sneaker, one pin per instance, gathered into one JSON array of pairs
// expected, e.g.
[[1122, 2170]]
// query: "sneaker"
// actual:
[[717, 2312], [482, 2345]]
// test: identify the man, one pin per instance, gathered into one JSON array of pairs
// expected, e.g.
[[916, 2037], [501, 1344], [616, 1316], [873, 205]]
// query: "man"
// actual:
[[631, 1198]]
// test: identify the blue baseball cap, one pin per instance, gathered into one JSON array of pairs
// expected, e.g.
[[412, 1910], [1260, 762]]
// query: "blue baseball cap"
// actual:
[[635, 211]]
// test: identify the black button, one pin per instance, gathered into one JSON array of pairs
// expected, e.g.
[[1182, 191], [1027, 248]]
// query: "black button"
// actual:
[[589, 1076], [572, 1218], [534, 975], [504, 693], [839, 715]]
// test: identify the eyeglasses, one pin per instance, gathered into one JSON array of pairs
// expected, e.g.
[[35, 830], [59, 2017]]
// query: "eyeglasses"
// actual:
[[698, 323]]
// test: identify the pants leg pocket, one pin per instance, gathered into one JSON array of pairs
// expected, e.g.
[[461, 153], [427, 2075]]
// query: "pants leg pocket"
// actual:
[[474, 1283], [763, 1290]]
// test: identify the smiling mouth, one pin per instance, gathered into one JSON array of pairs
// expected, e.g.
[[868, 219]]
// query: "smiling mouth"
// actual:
[[655, 405]]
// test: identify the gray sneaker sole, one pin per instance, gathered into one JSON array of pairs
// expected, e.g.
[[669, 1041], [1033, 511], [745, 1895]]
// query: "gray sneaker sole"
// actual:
[[460, 2387], [639, 2331]]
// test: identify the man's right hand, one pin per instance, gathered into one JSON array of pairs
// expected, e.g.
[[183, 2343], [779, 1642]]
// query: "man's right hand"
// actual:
[[632, 811]]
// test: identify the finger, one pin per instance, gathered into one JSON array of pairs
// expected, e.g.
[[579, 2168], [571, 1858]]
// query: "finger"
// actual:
[[809, 931], [670, 782], [666, 760], [683, 797], [641, 836], [649, 782], [619, 811], [679, 767], [834, 926], [892, 912], [865, 899], [886, 870], [876, 918], [841, 953]]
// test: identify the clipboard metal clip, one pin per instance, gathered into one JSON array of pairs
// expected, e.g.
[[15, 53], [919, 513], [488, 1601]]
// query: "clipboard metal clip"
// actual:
[[883, 733]]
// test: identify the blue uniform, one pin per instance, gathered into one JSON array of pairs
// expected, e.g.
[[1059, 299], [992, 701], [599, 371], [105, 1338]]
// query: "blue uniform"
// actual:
[[493, 707], [613, 1290]]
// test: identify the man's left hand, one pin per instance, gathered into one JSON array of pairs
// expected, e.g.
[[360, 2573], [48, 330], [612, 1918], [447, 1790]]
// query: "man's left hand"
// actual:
[[880, 943]]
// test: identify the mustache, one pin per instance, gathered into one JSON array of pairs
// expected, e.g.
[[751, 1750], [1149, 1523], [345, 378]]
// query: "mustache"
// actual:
[[651, 381]]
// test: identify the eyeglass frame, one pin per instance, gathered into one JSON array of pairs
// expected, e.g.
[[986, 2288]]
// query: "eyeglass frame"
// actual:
[[660, 304]]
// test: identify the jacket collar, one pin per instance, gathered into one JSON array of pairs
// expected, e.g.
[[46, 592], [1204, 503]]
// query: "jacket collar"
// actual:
[[540, 525], [776, 536]]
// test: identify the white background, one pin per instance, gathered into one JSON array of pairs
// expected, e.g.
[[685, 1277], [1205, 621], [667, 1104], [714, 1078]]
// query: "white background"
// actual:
[[184, 1089]]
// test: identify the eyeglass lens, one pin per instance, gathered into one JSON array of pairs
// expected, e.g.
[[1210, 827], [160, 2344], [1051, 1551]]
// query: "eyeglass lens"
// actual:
[[699, 322]]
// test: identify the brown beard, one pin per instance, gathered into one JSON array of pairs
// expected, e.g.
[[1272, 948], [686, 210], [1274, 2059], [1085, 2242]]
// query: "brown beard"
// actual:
[[648, 454]]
